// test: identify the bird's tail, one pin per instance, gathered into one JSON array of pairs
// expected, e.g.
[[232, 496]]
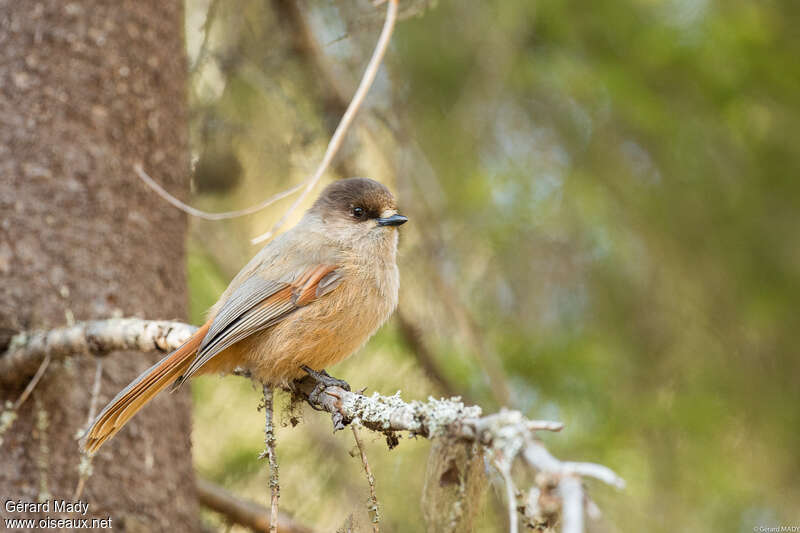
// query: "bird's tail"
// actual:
[[140, 391]]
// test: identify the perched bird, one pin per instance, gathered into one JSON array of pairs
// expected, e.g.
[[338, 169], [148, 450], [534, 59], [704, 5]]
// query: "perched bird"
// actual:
[[311, 297]]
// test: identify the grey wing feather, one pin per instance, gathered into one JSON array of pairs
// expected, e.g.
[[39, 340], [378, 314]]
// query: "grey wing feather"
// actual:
[[252, 291], [249, 323], [240, 318]]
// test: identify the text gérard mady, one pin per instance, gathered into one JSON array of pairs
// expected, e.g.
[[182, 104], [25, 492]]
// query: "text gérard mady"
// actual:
[[59, 508]]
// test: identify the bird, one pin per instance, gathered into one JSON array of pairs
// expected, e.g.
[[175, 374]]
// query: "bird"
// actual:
[[308, 299]]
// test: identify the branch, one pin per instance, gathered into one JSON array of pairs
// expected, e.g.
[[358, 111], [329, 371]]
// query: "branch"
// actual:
[[9, 411], [504, 467], [85, 467], [507, 434], [373, 506], [193, 211], [505, 430], [269, 454], [243, 512], [27, 350]]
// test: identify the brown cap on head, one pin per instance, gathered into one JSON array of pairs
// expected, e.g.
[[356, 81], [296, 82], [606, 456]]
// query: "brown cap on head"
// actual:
[[359, 198]]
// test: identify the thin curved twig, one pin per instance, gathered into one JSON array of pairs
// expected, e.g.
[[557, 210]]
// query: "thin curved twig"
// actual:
[[373, 507], [338, 135], [85, 467], [504, 468], [333, 146], [32, 383], [199, 213], [8, 413]]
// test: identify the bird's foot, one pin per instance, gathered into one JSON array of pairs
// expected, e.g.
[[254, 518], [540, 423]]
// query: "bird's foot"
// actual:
[[325, 379]]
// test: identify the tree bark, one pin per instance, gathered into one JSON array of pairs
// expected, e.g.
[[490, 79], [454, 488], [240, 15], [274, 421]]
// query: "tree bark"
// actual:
[[88, 89]]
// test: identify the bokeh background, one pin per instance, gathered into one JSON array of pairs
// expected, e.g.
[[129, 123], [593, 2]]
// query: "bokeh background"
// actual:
[[604, 210]]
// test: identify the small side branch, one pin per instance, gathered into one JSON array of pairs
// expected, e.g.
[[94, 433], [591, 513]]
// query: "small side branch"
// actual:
[[269, 453], [8, 414], [85, 467], [504, 468], [373, 507]]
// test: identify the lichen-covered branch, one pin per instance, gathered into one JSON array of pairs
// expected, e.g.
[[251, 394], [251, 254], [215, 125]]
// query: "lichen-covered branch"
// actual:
[[270, 454], [505, 436]]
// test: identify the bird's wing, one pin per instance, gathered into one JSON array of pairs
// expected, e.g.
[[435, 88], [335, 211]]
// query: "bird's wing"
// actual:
[[259, 303]]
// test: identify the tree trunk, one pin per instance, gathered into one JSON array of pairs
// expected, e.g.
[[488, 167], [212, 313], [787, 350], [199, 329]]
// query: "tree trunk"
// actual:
[[87, 90]]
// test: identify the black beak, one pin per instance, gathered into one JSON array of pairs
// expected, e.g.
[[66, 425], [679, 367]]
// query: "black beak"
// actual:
[[394, 220]]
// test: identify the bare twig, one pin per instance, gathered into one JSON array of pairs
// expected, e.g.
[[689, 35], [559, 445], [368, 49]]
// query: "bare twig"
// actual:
[[98, 378], [545, 425], [373, 507], [85, 466], [32, 383], [43, 457], [504, 467], [8, 415], [338, 135], [538, 457], [269, 453], [572, 506], [245, 513], [186, 208]]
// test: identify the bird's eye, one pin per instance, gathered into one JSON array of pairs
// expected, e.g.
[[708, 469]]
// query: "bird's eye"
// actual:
[[358, 212]]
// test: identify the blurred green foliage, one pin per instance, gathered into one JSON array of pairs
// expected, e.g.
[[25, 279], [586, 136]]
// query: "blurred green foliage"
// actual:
[[606, 194]]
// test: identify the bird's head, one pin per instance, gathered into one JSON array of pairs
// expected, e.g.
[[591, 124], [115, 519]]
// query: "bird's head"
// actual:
[[358, 211]]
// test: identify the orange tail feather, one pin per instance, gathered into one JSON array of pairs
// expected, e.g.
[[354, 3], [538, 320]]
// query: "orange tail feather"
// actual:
[[140, 391]]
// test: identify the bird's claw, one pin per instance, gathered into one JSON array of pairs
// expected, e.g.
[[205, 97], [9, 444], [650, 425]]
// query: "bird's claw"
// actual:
[[314, 397], [324, 380]]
